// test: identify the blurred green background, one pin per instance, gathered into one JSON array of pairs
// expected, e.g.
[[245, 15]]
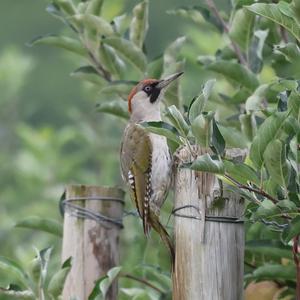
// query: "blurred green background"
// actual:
[[50, 132]]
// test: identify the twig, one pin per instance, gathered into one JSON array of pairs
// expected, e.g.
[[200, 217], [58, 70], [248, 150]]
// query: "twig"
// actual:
[[251, 189], [143, 281], [105, 74], [236, 48], [98, 66], [250, 265]]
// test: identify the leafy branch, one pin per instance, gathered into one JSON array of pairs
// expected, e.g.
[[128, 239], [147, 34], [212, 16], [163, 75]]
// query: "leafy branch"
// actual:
[[212, 6], [251, 189]]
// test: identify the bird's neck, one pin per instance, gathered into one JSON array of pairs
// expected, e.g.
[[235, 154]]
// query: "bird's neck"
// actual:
[[145, 116]]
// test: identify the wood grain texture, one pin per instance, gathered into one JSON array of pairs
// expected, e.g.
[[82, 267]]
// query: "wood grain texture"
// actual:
[[209, 255], [94, 248]]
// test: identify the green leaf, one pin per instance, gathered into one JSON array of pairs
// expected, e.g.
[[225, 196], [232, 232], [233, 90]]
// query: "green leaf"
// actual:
[[155, 273], [283, 84], [88, 73], [294, 104], [35, 270], [265, 134], [268, 92], [42, 224], [241, 28], [287, 206], [235, 72], [290, 51], [274, 13], [248, 125], [217, 142], [94, 7], [130, 51], [54, 10], [118, 87], [205, 163], [92, 22], [139, 23], [60, 42], [44, 257], [239, 96], [56, 283], [296, 8], [165, 129], [82, 7], [198, 14], [241, 3], [121, 24], [155, 68], [111, 60], [171, 54], [286, 9], [241, 172], [17, 294], [255, 52], [96, 290], [177, 120], [292, 230], [198, 104], [117, 108], [66, 6], [269, 248], [172, 65], [271, 187], [190, 13], [105, 284], [202, 128], [276, 162], [233, 137], [267, 209], [173, 95], [254, 102], [274, 272], [133, 293], [12, 267]]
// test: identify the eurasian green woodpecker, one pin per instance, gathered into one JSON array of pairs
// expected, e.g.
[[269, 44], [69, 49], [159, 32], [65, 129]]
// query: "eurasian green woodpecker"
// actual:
[[145, 157]]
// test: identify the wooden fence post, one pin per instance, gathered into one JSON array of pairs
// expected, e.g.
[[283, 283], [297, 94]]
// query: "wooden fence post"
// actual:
[[92, 221], [209, 260]]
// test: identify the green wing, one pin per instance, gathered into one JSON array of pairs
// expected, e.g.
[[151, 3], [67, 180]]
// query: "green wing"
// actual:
[[136, 158]]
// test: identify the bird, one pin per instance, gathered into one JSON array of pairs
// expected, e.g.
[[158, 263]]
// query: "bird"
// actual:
[[145, 158]]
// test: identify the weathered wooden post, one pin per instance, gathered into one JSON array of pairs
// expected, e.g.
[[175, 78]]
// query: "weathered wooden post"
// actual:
[[209, 236], [92, 221]]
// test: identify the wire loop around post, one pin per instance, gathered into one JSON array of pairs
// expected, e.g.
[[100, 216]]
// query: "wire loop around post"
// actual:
[[221, 219], [85, 213]]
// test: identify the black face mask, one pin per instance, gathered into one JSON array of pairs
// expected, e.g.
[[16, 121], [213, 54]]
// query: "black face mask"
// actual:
[[152, 91]]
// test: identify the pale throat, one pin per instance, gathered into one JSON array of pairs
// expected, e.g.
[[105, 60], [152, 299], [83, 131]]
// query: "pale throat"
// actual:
[[146, 114]]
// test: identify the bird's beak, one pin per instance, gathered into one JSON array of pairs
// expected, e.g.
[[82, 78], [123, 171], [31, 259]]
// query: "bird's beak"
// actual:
[[165, 82]]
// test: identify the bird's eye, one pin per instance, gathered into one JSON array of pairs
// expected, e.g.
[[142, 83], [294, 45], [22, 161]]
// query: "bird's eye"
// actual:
[[148, 88]]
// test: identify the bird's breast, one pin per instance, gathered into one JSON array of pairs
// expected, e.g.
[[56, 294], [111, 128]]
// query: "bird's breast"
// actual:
[[161, 168]]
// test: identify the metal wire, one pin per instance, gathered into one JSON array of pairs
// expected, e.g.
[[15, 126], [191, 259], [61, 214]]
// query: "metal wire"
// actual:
[[85, 213], [221, 219]]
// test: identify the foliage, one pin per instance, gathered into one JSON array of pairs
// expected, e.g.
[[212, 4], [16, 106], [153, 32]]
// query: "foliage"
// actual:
[[35, 282], [252, 49]]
